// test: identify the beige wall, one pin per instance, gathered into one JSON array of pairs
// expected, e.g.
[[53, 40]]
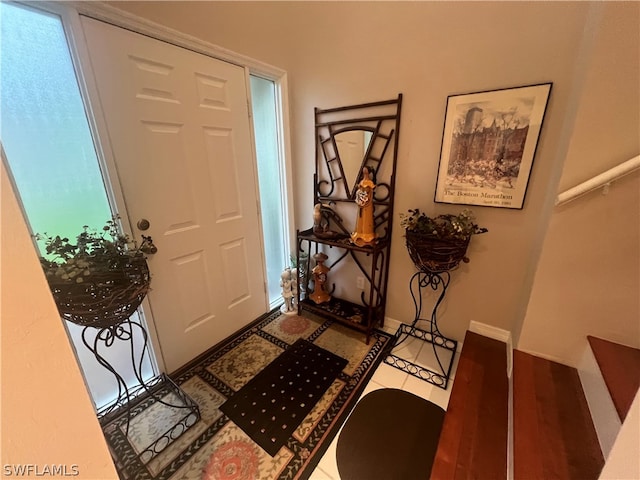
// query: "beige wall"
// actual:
[[47, 415], [607, 130], [426, 51], [339, 53], [588, 278]]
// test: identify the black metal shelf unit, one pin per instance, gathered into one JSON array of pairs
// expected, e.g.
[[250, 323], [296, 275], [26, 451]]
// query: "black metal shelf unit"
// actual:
[[374, 128]]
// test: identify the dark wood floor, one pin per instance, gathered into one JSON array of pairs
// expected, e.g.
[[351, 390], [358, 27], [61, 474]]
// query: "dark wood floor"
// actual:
[[554, 436], [473, 443], [620, 367]]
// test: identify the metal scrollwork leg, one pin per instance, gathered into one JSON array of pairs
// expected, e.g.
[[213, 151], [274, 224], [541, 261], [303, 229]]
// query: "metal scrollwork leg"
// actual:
[[107, 336], [419, 282], [159, 388]]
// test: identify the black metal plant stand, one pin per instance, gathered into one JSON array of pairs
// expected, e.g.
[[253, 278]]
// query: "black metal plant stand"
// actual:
[[160, 388], [420, 281]]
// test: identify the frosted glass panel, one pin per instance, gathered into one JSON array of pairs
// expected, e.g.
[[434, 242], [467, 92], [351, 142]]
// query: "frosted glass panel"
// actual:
[[44, 128], [50, 150], [266, 134]]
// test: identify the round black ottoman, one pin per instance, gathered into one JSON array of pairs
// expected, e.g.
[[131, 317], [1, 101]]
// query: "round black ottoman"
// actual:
[[390, 435]]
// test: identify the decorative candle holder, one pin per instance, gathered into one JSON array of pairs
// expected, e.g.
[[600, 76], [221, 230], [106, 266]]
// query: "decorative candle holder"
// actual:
[[320, 294]]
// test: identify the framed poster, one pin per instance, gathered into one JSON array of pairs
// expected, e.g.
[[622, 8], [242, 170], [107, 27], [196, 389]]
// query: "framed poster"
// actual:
[[488, 146]]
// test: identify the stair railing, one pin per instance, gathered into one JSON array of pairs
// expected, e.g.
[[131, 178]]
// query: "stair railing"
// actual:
[[600, 181]]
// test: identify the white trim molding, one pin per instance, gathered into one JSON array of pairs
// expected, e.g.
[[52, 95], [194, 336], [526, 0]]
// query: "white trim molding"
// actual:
[[603, 412], [490, 331], [600, 181], [391, 325], [497, 334], [121, 18]]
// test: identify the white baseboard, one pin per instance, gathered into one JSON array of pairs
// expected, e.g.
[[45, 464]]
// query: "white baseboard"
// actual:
[[603, 411], [490, 331], [497, 334], [545, 356], [391, 325]]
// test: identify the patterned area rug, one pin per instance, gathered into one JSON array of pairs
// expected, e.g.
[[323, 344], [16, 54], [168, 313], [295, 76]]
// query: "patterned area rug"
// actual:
[[215, 448]]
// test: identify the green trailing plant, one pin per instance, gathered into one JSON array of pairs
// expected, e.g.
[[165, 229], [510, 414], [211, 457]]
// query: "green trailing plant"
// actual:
[[438, 244], [443, 227], [94, 253]]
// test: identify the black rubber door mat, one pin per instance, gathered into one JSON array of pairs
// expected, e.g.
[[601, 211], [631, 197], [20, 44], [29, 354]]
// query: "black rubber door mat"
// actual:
[[273, 403]]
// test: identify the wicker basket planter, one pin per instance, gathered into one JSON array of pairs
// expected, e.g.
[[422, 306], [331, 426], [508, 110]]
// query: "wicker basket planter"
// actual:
[[431, 254], [109, 298]]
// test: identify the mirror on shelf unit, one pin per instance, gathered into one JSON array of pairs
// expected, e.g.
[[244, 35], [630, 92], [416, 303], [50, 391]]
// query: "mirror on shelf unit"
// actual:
[[352, 146]]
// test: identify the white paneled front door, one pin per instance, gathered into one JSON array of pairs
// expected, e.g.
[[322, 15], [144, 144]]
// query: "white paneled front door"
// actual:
[[179, 128]]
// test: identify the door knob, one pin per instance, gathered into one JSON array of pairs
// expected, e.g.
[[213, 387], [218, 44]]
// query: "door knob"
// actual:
[[143, 224]]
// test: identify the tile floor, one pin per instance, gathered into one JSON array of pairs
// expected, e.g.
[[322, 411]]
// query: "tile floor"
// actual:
[[386, 376]]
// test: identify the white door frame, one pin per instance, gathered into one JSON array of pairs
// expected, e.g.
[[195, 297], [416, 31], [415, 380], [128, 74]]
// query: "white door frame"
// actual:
[[70, 13]]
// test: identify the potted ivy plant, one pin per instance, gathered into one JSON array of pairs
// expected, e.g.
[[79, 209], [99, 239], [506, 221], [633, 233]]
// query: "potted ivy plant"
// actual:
[[99, 279], [438, 244]]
